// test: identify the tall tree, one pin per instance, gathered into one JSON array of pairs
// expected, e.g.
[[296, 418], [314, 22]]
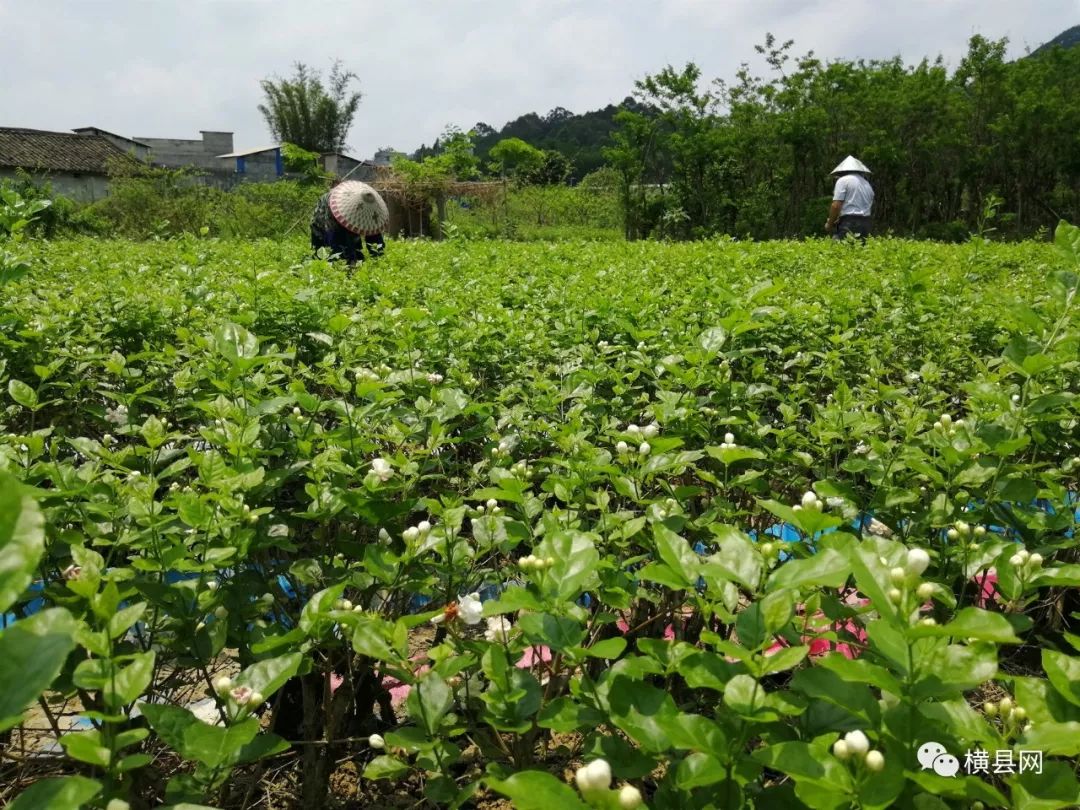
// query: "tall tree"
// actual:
[[302, 110]]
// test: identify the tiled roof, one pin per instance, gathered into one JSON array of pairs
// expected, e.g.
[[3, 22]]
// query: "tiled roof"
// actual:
[[57, 151]]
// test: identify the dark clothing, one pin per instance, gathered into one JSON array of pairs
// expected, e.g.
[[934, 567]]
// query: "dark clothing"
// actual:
[[327, 232], [855, 225]]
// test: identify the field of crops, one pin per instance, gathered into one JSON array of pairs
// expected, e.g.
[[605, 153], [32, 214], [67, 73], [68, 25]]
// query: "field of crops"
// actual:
[[565, 525]]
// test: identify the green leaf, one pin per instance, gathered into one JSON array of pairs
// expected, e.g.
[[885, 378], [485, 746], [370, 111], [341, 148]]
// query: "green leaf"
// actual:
[[386, 767], [58, 793], [677, 554], [764, 618], [537, 790], [642, 711], [86, 746], [828, 569], [1063, 671], [972, 622], [699, 770], [213, 746], [557, 632], [608, 648], [121, 621], [1056, 787], [713, 339], [429, 701], [270, 674], [23, 394], [1067, 241], [131, 681], [575, 558], [235, 342], [32, 653], [818, 683], [22, 541]]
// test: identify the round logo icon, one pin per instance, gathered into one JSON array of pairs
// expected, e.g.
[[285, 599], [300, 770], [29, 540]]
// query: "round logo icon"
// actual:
[[932, 755], [928, 752], [946, 765]]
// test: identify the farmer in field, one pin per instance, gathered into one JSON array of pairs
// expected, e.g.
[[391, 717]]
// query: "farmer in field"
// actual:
[[853, 198], [347, 217]]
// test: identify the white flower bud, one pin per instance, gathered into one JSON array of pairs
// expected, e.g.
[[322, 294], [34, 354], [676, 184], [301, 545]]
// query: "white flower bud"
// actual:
[[650, 430], [980, 531], [917, 561], [729, 438], [857, 743], [296, 411], [621, 447], [895, 596], [424, 526], [928, 622], [841, 750], [767, 549], [1016, 560], [808, 499], [875, 761], [411, 534], [1035, 560], [376, 741], [897, 576], [255, 699], [212, 585], [952, 534], [343, 604], [925, 591], [221, 611], [945, 419], [629, 797], [594, 776], [643, 450], [223, 685], [492, 503]]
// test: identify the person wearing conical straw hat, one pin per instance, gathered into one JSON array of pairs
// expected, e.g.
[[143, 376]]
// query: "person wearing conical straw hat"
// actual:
[[347, 217], [852, 202]]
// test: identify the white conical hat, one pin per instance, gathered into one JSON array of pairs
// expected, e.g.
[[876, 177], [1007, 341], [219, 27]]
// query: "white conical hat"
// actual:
[[851, 164], [358, 207]]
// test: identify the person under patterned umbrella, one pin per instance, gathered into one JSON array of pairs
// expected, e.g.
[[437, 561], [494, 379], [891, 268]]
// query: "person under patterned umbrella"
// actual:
[[347, 217]]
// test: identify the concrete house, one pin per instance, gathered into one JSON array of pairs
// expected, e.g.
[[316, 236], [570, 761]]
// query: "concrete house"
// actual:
[[261, 165], [77, 164], [342, 165], [183, 153]]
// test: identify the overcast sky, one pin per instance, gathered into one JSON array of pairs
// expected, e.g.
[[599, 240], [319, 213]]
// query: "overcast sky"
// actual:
[[159, 68]]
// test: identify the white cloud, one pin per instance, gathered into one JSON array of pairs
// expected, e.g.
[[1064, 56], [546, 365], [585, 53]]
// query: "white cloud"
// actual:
[[173, 67]]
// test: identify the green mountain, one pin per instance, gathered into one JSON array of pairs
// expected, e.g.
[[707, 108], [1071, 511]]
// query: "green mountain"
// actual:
[[1068, 38]]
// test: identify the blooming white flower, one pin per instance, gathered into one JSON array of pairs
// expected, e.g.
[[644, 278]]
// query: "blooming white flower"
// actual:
[[241, 694], [278, 530], [434, 378], [498, 629], [118, 415], [594, 776], [381, 467], [917, 561], [875, 761], [644, 449], [376, 741], [629, 797], [862, 448], [857, 743], [72, 572], [470, 610]]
